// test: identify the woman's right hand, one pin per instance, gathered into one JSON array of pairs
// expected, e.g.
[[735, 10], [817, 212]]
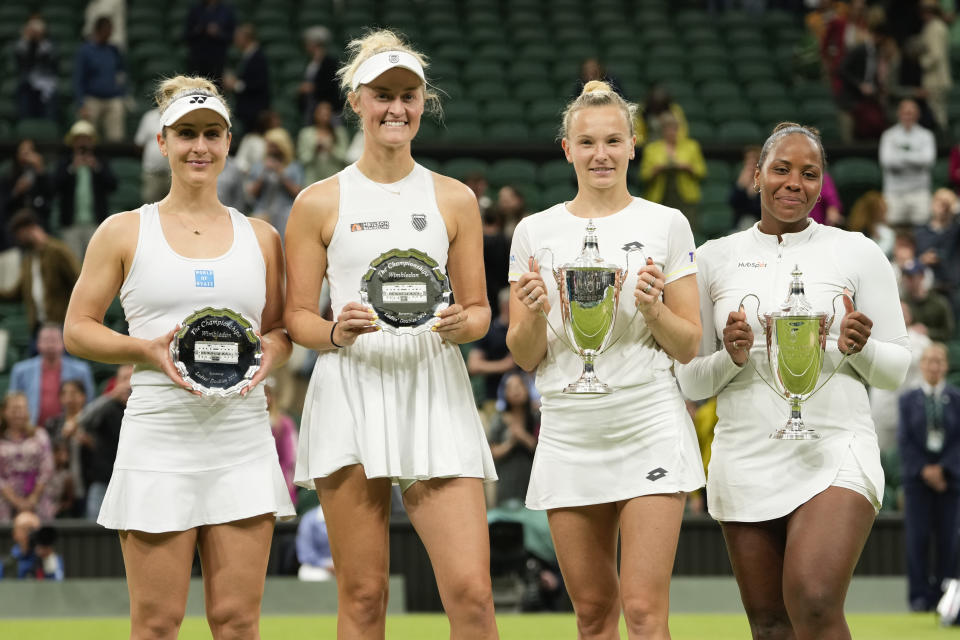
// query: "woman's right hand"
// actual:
[[354, 320], [158, 355], [532, 290], [738, 337]]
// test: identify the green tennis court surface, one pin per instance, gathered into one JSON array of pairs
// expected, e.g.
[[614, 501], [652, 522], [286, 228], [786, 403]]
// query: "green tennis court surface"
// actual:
[[512, 626]]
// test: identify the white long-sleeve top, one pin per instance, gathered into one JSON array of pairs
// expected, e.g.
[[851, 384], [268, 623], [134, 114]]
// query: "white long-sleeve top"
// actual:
[[751, 477], [907, 157]]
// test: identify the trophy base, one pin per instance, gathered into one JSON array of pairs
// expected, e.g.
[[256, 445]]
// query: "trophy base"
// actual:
[[793, 433], [588, 387]]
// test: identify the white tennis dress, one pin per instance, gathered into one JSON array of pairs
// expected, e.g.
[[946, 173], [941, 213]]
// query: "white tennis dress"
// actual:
[[751, 477], [639, 440], [183, 460], [401, 406]]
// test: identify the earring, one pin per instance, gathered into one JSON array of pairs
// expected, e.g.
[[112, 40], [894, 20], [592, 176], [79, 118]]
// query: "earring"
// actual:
[[756, 188]]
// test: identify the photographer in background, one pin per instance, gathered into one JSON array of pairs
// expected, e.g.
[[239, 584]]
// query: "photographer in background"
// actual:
[[32, 554]]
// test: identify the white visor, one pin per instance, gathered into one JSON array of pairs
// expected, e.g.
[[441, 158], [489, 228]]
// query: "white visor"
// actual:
[[378, 63], [191, 102]]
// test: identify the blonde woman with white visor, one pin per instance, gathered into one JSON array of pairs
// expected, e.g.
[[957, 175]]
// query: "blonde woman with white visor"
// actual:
[[190, 473], [382, 408]]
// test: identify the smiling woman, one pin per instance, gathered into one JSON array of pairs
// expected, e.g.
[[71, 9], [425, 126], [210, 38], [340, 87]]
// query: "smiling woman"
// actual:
[[189, 474]]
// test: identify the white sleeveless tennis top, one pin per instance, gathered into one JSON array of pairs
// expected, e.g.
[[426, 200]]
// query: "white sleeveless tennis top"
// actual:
[[400, 405]]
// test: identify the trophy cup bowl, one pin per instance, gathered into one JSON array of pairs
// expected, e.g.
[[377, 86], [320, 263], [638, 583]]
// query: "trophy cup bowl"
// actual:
[[589, 299], [795, 353]]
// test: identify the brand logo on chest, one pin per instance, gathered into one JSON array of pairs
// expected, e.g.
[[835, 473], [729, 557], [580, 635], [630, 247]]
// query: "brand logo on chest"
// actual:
[[419, 221], [203, 278], [377, 225]]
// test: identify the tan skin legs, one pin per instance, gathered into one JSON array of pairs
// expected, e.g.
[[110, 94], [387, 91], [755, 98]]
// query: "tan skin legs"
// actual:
[[586, 543], [357, 514], [794, 572], [158, 569]]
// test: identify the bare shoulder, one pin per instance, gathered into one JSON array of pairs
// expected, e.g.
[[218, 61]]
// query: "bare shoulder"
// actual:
[[264, 231], [453, 195], [321, 197], [119, 230]]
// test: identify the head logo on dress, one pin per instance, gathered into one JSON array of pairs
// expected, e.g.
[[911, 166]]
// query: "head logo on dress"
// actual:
[[419, 221]]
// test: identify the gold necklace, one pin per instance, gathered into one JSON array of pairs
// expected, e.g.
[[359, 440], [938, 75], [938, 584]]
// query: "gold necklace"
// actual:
[[193, 228]]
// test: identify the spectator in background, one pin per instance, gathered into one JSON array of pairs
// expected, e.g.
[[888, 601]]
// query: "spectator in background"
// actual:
[[284, 435], [861, 97], [26, 462], [477, 182], [84, 182], [513, 440], [829, 209], [99, 82], [65, 429], [322, 146], [648, 124], [208, 32], [319, 82], [496, 257], [154, 168], [592, 69], [251, 82], [935, 60], [32, 555], [27, 185], [929, 441], [36, 61], [40, 377], [116, 10], [907, 155], [869, 216], [671, 169], [274, 184], [313, 547], [931, 310], [511, 207], [48, 272], [883, 402], [938, 244], [744, 198], [489, 356], [253, 147], [99, 436], [62, 487]]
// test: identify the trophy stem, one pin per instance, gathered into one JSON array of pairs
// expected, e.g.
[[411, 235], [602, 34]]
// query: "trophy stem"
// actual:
[[588, 383], [794, 429]]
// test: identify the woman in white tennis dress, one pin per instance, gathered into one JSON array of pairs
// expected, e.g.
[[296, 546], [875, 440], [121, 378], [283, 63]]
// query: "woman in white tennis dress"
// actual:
[[191, 472], [795, 514], [384, 408], [619, 463]]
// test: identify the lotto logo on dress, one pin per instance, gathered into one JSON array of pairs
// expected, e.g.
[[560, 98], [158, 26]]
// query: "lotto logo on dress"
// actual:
[[370, 226], [203, 277]]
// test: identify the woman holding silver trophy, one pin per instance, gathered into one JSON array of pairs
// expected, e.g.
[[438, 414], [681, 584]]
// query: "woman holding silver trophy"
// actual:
[[196, 466], [617, 451], [389, 401], [796, 500]]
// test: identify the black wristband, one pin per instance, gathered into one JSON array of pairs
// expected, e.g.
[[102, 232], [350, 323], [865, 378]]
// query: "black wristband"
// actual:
[[334, 326]]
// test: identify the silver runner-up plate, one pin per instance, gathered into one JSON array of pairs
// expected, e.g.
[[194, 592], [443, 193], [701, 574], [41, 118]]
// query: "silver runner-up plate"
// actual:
[[406, 289], [216, 351]]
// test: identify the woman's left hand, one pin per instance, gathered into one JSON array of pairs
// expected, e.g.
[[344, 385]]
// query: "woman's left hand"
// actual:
[[854, 329], [452, 319], [650, 283], [266, 364]]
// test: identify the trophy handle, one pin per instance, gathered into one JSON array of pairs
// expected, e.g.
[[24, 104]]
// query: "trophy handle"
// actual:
[[827, 324], [559, 281], [763, 324]]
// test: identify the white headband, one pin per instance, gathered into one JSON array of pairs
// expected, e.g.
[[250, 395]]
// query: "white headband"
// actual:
[[376, 64], [191, 102]]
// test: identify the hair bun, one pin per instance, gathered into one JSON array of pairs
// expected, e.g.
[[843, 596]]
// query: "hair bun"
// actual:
[[595, 85]]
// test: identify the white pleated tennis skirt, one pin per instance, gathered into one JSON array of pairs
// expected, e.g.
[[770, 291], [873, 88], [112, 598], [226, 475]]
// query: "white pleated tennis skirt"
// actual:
[[401, 406], [597, 449]]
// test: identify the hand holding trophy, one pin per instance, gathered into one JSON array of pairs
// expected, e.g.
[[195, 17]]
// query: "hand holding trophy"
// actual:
[[796, 338], [589, 299]]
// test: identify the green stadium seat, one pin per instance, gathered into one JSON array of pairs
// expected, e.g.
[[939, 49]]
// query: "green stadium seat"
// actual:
[[719, 171], [498, 111], [692, 19], [941, 173], [430, 130], [478, 71], [527, 71], [545, 109], [626, 51], [663, 71], [536, 52], [38, 130], [718, 90], [701, 36], [701, 131], [757, 71], [714, 193], [665, 53], [529, 91], [854, 177], [816, 109], [737, 20], [775, 110], [747, 53], [512, 170], [716, 220], [462, 110], [495, 53], [765, 90], [463, 132], [744, 36], [558, 193], [513, 132], [460, 168], [740, 132], [530, 35], [452, 52], [489, 90], [555, 172], [703, 72], [544, 132], [430, 163], [728, 109]]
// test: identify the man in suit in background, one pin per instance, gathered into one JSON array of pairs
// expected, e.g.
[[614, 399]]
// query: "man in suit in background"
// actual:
[[251, 83], [929, 439]]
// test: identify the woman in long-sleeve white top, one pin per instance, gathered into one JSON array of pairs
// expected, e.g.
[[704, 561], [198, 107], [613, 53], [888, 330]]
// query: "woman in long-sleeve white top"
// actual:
[[795, 514]]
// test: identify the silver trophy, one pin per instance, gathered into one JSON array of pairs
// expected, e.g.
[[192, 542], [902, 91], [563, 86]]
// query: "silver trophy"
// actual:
[[796, 338], [589, 299], [406, 289], [216, 351]]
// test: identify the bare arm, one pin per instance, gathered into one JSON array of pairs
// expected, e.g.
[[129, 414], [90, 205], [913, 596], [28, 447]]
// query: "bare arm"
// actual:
[[527, 335], [468, 319], [673, 320]]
